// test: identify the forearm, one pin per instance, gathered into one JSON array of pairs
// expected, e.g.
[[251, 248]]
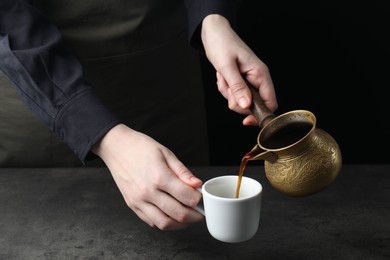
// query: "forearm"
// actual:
[[232, 59], [49, 78]]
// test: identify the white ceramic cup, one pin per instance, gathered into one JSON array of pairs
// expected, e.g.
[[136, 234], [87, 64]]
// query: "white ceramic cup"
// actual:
[[230, 219]]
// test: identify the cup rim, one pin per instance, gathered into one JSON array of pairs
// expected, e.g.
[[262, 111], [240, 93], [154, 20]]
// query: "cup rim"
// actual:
[[204, 191]]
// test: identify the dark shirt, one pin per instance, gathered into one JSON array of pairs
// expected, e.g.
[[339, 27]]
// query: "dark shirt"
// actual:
[[50, 78]]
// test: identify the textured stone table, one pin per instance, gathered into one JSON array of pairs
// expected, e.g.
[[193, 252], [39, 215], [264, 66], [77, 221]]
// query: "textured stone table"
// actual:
[[78, 213]]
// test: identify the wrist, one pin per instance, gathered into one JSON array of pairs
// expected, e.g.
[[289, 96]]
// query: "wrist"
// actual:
[[211, 23], [101, 147]]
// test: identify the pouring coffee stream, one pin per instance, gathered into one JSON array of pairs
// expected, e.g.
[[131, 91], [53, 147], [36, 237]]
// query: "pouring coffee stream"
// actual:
[[299, 158]]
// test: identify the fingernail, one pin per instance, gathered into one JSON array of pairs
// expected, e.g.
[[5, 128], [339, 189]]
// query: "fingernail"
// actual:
[[194, 179], [242, 102]]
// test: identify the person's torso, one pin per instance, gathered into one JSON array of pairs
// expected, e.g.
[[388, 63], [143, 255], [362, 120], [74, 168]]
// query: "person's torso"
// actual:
[[101, 28]]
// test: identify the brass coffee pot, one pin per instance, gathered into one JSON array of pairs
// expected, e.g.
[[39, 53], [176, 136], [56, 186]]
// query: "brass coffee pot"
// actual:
[[299, 158]]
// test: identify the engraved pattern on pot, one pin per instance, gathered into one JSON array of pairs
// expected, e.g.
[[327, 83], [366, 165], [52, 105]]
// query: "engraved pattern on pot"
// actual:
[[311, 170]]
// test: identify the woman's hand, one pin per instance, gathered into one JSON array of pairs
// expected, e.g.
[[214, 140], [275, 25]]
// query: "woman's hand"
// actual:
[[153, 182], [233, 59]]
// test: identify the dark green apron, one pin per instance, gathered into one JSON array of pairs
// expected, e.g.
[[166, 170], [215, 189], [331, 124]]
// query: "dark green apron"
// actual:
[[136, 55]]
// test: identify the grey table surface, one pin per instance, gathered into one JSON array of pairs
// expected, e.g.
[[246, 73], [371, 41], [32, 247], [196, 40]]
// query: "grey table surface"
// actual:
[[78, 213]]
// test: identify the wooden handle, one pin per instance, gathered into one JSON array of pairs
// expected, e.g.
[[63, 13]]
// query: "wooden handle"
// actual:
[[261, 112]]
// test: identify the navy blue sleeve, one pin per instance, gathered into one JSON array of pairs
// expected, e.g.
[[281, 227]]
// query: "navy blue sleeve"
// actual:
[[198, 9], [49, 78]]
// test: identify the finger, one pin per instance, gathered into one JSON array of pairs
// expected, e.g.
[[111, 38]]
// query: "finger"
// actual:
[[227, 93], [183, 191], [143, 217], [160, 219], [267, 92], [222, 85], [232, 103], [180, 170], [237, 85], [159, 209], [265, 88], [250, 121], [175, 210]]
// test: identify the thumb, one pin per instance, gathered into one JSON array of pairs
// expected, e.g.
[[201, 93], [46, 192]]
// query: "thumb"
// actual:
[[237, 85], [181, 171]]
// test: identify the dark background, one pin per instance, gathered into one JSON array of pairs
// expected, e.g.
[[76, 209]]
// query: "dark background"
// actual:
[[331, 59]]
